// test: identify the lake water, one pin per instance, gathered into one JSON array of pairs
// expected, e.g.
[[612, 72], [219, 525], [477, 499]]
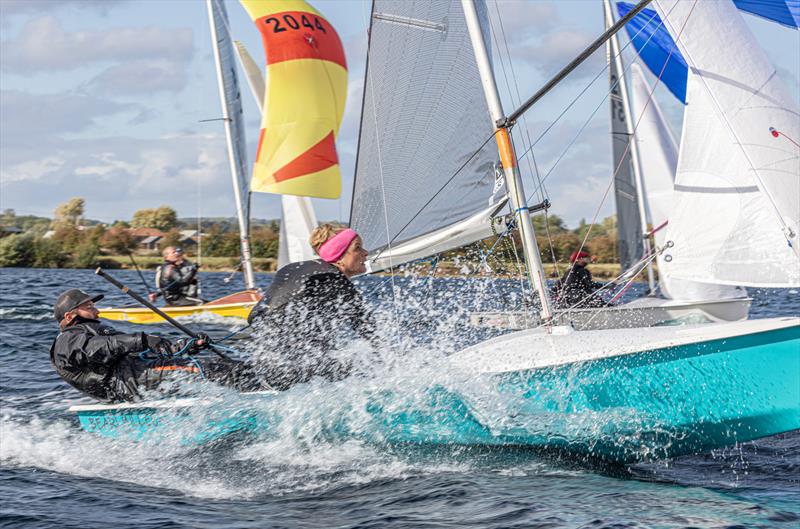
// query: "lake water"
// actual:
[[54, 475]]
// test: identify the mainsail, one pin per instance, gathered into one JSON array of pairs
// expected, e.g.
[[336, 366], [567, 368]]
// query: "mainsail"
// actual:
[[304, 100], [737, 188], [426, 154], [231, 100], [624, 164]]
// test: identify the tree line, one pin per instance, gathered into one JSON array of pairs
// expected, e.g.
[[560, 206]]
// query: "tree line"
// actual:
[[71, 241]]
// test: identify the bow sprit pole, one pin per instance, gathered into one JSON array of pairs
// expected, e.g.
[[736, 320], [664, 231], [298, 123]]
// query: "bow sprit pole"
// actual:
[[509, 161]]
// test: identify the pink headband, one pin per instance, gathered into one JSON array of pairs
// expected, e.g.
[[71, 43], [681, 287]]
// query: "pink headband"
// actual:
[[333, 249]]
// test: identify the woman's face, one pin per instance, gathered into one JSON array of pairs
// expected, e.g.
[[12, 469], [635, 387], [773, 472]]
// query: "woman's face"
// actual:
[[352, 262]]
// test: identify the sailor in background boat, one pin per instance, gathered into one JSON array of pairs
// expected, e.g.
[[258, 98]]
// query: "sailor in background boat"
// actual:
[[111, 366], [311, 308], [576, 288], [176, 280]]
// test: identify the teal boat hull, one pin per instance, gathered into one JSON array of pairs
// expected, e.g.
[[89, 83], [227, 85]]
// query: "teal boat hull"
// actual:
[[625, 408]]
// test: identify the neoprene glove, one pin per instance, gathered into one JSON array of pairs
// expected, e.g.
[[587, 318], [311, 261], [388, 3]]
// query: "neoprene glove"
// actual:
[[157, 344]]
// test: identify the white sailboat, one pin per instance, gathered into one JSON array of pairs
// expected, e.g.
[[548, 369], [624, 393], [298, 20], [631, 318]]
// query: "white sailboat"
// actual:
[[624, 394], [620, 394], [239, 304]]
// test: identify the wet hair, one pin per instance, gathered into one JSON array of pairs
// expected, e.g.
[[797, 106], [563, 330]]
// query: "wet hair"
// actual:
[[323, 233]]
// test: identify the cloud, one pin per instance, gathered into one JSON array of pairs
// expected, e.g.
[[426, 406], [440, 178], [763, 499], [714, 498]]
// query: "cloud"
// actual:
[[44, 45], [16, 7], [519, 21], [140, 77], [118, 175], [25, 117], [555, 50]]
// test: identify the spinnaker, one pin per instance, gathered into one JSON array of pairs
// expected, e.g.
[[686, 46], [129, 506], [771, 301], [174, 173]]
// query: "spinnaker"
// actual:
[[304, 100]]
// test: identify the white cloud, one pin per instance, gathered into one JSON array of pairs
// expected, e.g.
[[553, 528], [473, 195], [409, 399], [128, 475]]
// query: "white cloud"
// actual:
[[140, 77], [31, 170], [25, 117], [16, 7], [44, 45], [520, 20], [555, 50], [119, 175]]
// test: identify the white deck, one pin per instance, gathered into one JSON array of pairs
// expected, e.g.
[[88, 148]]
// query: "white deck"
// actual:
[[534, 348]]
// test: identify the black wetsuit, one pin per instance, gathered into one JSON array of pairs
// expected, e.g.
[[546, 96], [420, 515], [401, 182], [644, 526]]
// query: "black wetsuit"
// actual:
[[576, 288], [307, 311], [106, 364], [178, 283]]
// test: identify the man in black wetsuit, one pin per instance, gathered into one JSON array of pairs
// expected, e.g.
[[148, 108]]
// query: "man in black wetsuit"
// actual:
[[176, 279], [576, 288], [111, 366], [310, 308]]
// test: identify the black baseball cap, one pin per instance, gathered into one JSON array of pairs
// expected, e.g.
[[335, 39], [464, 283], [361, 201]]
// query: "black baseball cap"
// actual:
[[71, 300]]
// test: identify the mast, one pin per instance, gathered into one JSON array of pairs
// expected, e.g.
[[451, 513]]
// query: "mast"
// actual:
[[236, 156], [508, 159], [622, 89]]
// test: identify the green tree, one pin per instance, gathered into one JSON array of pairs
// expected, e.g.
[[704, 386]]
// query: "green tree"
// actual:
[[8, 218], [67, 235], [49, 254], [603, 248], [118, 240], [16, 250], [163, 218], [264, 242], [554, 223], [70, 212]]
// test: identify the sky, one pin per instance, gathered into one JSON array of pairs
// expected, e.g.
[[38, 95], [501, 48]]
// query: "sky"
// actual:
[[105, 100]]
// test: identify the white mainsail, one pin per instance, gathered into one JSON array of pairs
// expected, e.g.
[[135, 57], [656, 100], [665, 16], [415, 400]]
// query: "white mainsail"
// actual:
[[231, 101], [737, 188], [423, 125]]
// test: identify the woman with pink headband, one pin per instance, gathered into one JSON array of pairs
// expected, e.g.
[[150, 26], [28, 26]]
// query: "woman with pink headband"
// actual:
[[311, 307]]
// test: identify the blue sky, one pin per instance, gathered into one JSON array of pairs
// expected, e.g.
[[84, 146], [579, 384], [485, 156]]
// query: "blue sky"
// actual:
[[103, 100]]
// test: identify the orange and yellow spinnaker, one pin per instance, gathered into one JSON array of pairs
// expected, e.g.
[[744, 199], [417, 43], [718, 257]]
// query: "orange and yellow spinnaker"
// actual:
[[303, 102]]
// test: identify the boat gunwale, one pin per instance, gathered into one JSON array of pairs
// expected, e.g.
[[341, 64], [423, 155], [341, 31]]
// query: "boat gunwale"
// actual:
[[656, 349]]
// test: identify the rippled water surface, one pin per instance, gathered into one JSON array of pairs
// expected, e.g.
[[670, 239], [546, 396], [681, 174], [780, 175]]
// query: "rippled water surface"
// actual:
[[55, 475]]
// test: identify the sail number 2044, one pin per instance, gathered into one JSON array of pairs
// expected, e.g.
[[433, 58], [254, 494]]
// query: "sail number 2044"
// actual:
[[279, 24]]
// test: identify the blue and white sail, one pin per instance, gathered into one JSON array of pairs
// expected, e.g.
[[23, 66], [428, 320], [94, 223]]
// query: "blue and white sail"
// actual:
[[744, 180], [658, 51]]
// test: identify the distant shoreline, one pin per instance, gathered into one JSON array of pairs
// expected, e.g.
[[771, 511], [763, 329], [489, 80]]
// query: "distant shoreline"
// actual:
[[148, 263]]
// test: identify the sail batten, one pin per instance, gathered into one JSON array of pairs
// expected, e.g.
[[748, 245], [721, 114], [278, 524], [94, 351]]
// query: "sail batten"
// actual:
[[424, 162]]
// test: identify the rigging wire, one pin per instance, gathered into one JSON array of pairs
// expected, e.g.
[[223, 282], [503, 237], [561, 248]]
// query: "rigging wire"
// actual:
[[630, 139], [368, 80], [532, 164]]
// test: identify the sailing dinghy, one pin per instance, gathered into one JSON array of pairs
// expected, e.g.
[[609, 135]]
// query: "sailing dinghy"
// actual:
[[239, 304], [621, 394]]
